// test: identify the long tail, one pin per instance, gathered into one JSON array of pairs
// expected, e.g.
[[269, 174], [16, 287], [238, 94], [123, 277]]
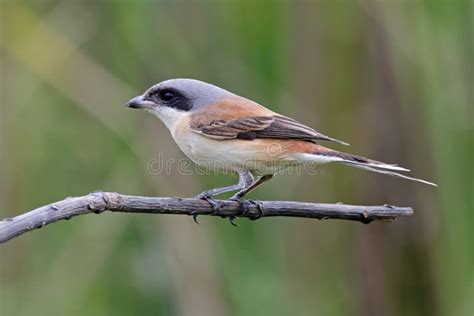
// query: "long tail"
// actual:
[[365, 163]]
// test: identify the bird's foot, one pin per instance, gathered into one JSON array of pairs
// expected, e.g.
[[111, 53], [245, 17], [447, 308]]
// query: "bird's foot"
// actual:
[[260, 208], [216, 205], [246, 206]]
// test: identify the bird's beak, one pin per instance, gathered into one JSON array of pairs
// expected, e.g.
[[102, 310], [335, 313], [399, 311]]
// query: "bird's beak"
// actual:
[[140, 103]]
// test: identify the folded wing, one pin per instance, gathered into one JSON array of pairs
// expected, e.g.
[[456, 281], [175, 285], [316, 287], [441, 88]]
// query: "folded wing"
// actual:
[[271, 126]]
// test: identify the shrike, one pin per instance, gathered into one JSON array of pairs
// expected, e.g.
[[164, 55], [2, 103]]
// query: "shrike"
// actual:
[[220, 130]]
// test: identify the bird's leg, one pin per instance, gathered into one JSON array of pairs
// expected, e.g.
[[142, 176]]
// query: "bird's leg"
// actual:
[[245, 179], [239, 195]]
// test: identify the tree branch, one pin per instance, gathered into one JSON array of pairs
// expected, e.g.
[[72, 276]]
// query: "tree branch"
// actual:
[[99, 202]]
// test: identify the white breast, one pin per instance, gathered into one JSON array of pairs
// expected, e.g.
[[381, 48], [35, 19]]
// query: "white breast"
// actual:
[[231, 155], [209, 153]]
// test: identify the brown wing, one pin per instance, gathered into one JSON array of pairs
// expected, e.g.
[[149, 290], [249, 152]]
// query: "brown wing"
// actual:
[[244, 128], [239, 118], [284, 127]]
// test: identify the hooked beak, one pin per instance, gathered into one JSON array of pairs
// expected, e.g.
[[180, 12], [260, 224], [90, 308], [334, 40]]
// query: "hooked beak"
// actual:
[[140, 103]]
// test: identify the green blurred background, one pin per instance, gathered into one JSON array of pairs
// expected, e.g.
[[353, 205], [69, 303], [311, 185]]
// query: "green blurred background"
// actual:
[[392, 78]]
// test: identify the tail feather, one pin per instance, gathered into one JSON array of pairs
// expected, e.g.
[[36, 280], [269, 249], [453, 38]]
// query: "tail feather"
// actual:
[[381, 169], [367, 164], [377, 165]]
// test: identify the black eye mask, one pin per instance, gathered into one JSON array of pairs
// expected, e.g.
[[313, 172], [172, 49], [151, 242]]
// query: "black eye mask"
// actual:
[[171, 98]]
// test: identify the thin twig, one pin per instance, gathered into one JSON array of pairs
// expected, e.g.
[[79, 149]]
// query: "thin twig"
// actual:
[[99, 202]]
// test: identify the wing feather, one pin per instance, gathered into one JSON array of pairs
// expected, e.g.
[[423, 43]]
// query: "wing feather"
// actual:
[[272, 126], [239, 118]]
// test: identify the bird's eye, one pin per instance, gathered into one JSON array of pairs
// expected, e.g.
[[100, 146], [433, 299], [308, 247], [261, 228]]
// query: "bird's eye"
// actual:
[[166, 95]]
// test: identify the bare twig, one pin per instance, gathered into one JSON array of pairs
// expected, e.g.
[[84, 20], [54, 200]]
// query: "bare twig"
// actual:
[[99, 202]]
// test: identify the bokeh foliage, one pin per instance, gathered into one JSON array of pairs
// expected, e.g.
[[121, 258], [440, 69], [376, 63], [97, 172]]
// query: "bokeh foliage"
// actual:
[[393, 78]]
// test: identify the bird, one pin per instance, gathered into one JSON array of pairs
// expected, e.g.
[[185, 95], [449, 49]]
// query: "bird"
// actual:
[[223, 131]]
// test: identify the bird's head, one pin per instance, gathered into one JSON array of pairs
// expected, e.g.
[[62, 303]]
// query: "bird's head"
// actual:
[[171, 99]]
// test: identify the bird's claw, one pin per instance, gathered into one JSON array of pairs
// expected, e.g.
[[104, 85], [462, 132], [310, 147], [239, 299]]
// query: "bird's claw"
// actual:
[[231, 220], [194, 214], [260, 208], [216, 205], [246, 206]]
